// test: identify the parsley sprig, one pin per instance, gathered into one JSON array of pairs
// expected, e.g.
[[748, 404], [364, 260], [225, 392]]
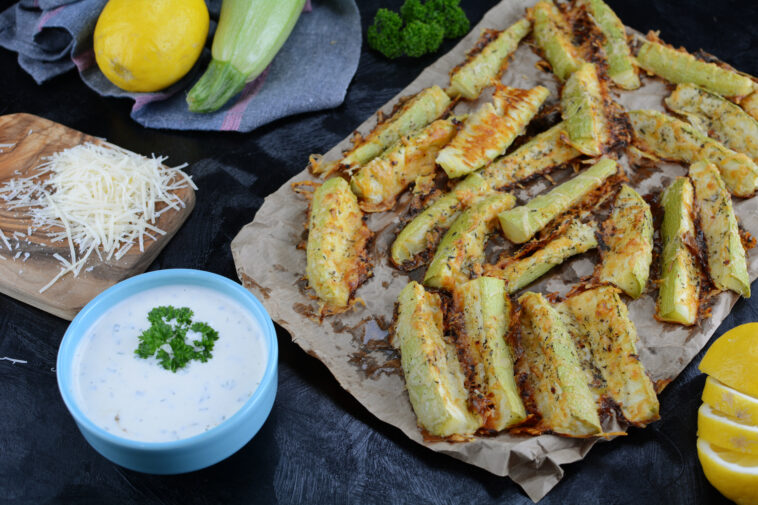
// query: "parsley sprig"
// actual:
[[170, 325]]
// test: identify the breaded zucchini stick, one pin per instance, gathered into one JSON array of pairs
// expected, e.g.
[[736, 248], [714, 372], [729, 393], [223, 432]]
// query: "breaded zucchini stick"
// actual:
[[482, 67], [678, 66], [554, 376], [600, 323], [621, 67], [523, 222], [584, 118], [380, 181], [421, 234], [628, 233], [336, 256], [522, 268], [486, 311], [489, 131], [679, 289], [433, 374], [553, 37], [672, 139], [726, 255], [717, 117], [462, 248]]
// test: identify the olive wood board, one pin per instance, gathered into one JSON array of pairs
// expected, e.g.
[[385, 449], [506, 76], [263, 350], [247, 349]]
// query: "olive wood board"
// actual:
[[32, 139]]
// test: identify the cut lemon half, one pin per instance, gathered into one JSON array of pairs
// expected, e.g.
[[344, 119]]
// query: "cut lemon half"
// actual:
[[731, 402], [733, 359], [726, 432], [734, 474]]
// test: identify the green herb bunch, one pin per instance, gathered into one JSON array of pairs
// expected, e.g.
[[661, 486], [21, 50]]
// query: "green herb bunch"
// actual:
[[418, 29], [170, 325]]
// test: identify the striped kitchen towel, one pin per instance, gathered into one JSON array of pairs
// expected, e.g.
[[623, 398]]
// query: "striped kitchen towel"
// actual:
[[311, 72]]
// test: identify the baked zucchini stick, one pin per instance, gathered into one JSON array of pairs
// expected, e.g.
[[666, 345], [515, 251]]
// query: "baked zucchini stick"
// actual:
[[672, 139], [628, 233], [553, 37], [433, 374], [489, 131], [482, 67], [543, 152], [678, 66], [414, 114], [557, 382], [717, 117], [421, 235], [522, 223], [726, 256], [583, 111], [604, 327], [486, 311], [336, 255], [621, 67], [380, 181], [462, 248], [679, 289], [519, 271]]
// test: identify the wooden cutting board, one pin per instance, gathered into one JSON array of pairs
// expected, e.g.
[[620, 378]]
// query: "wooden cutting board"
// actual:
[[34, 138]]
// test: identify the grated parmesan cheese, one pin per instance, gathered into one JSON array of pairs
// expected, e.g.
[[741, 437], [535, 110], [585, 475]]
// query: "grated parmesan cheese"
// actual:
[[97, 198]]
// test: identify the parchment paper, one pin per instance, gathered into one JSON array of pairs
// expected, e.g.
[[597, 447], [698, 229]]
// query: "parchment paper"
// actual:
[[353, 345]]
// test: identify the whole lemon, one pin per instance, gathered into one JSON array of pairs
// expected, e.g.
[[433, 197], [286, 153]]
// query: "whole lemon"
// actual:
[[147, 45]]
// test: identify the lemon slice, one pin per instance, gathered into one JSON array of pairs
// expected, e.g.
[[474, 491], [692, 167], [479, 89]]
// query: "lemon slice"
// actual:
[[734, 474], [731, 402], [726, 432], [733, 359]]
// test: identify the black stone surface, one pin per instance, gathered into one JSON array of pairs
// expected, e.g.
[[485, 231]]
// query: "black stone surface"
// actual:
[[319, 445]]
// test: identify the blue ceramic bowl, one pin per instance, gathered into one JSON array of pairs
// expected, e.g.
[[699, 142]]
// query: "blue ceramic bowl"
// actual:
[[191, 453]]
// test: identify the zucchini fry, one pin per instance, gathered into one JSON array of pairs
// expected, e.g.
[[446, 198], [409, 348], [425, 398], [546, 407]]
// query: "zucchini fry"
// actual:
[[583, 112], [554, 376], [486, 311], [522, 223], [482, 67], [679, 289], [553, 37], [726, 256], [414, 114], [421, 235], [628, 233], [461, 250], [621, 67], [678, 66], [672, 139], [543, 152], [336, 256], [716, 117], [380, 181], [433, 374], [523, 268], [600, 322]]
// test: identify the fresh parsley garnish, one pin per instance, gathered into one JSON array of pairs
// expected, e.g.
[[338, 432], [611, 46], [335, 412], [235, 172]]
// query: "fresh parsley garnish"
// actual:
[[170, 325]]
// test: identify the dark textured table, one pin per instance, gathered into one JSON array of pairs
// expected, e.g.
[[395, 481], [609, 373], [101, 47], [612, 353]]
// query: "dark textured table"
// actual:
[[320, 444]]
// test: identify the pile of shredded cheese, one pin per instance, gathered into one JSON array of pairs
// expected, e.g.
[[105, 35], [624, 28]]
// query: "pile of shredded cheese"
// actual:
[[98, 198]]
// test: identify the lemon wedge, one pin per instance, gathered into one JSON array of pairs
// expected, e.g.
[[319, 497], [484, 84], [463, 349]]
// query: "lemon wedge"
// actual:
[[733, 359], [726, 432], [731, 402], [734, 474]]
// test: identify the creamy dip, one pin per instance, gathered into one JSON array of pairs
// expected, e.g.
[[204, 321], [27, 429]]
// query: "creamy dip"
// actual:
[[137, 398]]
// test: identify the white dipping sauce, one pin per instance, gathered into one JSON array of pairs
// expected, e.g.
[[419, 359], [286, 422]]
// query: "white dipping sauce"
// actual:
[[137, 398]]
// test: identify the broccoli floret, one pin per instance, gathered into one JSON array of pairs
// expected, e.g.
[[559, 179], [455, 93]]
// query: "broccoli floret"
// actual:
[[413, 10], [420, 38], [449, 15], [385, 34]]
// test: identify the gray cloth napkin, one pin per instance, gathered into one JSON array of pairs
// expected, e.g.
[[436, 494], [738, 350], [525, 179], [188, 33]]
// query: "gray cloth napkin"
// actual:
[[311, 72]]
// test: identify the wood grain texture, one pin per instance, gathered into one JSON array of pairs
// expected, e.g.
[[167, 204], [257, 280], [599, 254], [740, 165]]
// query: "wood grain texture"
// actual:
[[33, 139]]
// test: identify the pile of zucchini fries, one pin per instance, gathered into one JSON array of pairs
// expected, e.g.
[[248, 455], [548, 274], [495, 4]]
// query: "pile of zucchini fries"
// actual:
[[479, 354]]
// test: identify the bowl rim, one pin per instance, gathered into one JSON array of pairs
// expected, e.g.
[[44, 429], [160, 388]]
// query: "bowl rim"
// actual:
[[114, 294]]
